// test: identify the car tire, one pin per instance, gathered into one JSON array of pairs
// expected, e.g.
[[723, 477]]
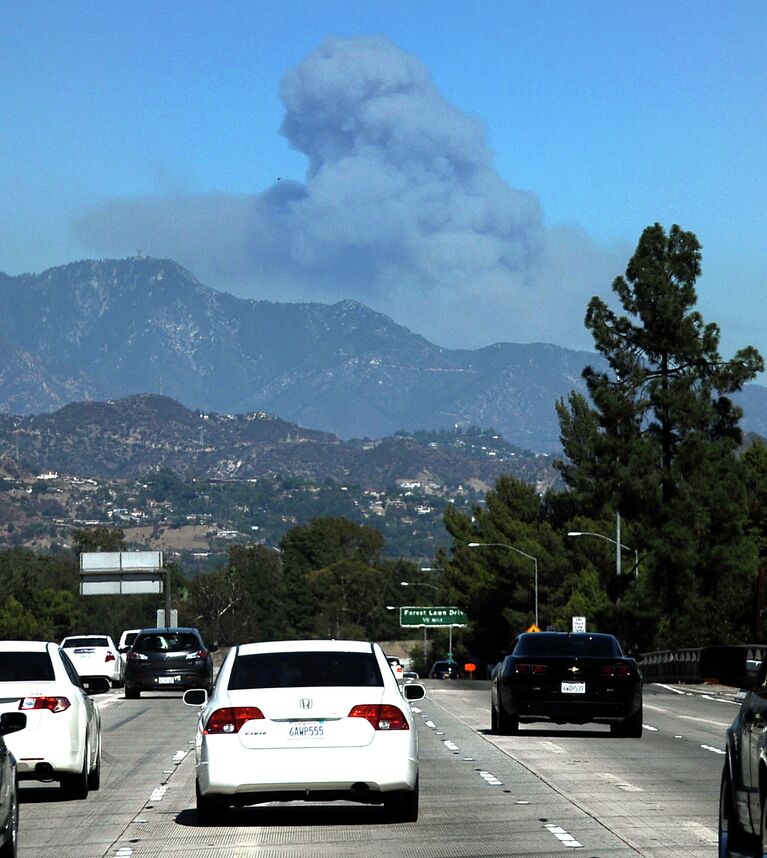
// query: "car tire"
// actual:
[[508, 725], [132, 693], [402, 805], [75, 786], [211, 809], [94, 776], [9, 848], [631, 727], [731, 838]]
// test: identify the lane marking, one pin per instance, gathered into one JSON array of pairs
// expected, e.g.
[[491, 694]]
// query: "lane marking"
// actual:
[[564, 838], [670, 688], [650, 728], [715, 750], [723, 724], [451, 746], [490, 778], [431, 725], [553, 747], [618, 782], [179, 756], [159, 793]]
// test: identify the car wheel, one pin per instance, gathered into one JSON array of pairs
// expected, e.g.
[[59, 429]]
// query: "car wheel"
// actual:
[[94, 776], [631, 727], [132, 693], [76, 786], [731, 839], [211, 809], [8, 849], [402, 806], [508, 725]]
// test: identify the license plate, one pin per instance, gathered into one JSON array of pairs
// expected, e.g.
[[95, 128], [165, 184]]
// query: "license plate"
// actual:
[[306, 730], [573, 688], [166, 680]]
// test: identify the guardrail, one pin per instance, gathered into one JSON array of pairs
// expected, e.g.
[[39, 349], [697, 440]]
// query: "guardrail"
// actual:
[[727, 665]]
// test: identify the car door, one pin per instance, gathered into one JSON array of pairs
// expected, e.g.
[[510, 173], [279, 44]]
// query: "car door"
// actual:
[[86, 706], [754, 726]]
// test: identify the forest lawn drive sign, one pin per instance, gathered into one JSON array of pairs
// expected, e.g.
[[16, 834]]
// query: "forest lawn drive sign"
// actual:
[[435, 616]]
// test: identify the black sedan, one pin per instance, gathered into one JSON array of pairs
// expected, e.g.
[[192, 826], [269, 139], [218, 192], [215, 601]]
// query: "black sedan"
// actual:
[[567, 678], [743, 793], [10, 722]]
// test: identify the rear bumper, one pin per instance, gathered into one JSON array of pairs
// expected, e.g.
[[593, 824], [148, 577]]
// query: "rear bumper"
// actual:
[[356, 774], [162, 681]]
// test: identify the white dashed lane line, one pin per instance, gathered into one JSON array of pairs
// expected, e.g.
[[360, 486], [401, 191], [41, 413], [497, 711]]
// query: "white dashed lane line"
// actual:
[[564, 838]]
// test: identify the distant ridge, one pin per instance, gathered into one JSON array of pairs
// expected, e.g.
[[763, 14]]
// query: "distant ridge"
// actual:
[[98, 330]]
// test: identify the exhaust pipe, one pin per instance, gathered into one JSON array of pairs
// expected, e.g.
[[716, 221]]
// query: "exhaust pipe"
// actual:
[[44, 772]]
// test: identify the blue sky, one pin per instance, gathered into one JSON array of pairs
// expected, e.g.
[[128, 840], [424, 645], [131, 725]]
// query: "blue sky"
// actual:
[[156, 127]]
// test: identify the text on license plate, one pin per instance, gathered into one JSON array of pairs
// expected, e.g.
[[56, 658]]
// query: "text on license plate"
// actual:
[[573, 688], [306, 730], [167, 680]]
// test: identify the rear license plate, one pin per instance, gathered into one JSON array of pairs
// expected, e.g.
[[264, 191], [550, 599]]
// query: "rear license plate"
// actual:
[[306, 730], [573, 688], [167, 680]]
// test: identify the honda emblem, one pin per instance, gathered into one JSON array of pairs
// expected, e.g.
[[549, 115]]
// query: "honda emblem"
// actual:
[[305, 703]]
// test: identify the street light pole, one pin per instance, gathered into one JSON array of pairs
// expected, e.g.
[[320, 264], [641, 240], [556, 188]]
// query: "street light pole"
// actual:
[[518, 551], [616, 542]]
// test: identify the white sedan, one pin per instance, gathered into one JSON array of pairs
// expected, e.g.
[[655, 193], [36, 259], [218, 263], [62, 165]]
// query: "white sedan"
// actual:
[[95, 655], [62, 738], [306, 720]]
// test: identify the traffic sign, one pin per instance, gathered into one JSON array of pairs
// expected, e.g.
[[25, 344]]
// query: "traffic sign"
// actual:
[[417, 617]]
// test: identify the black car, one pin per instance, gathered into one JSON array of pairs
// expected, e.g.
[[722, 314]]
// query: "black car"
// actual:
[[10, 722], [743, 792], [445, 669], [168, 658], [566, 678]]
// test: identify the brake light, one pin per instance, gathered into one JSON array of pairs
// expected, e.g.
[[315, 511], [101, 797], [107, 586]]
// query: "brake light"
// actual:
[[230, 720], [52, 704], [537, 669], [615, 670], [380, 716], [133, 655], [200, 653], [109, 656]]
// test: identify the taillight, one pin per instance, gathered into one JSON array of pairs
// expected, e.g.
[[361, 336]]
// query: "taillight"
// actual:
[[615, 670], [109, 656], [537, 669], [230, 720], [137, 656], [381, 716], [200, 653], [52, 704]]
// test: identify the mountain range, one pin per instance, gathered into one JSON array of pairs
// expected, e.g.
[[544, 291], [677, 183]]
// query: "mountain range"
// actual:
[[100, 330]]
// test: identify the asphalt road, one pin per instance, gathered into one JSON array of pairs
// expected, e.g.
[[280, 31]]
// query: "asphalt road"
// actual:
[[546, 792]]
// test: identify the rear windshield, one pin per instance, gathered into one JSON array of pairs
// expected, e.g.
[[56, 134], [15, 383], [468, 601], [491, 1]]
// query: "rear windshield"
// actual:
[[129, 638], [25, 667], [70, 642], [167, 642], [602, 646], [302, 669]]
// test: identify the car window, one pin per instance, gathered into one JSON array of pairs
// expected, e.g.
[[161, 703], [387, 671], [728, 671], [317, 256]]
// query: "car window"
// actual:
[[26, 667], [129, 638], [168, 642], [72, 673], [73, 642], [603, 646], [302, 669]]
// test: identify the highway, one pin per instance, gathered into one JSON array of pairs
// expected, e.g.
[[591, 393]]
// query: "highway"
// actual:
[[549, 791]]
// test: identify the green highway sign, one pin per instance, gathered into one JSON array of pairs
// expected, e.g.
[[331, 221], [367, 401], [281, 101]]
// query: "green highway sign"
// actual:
[[434, 616]]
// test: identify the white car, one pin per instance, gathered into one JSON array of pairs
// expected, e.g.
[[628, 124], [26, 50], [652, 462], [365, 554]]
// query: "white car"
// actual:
[[62, 738], [95, 655], [306, 720], [126, 639]]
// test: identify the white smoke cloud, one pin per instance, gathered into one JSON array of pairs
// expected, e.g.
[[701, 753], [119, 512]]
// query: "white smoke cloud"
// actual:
[[401, 208]]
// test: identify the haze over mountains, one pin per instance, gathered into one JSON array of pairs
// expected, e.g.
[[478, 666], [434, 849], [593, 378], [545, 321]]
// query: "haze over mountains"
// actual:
[[114, 328]]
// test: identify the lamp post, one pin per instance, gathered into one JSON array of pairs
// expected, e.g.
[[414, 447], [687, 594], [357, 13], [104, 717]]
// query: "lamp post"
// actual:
[[518, 551], [618, 545]]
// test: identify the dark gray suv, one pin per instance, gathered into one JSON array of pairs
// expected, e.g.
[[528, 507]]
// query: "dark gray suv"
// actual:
[[168, 658]]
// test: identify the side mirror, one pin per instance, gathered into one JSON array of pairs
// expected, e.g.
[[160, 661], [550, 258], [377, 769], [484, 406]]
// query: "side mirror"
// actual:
[[12, 722], [413, 691], [196, 697]]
